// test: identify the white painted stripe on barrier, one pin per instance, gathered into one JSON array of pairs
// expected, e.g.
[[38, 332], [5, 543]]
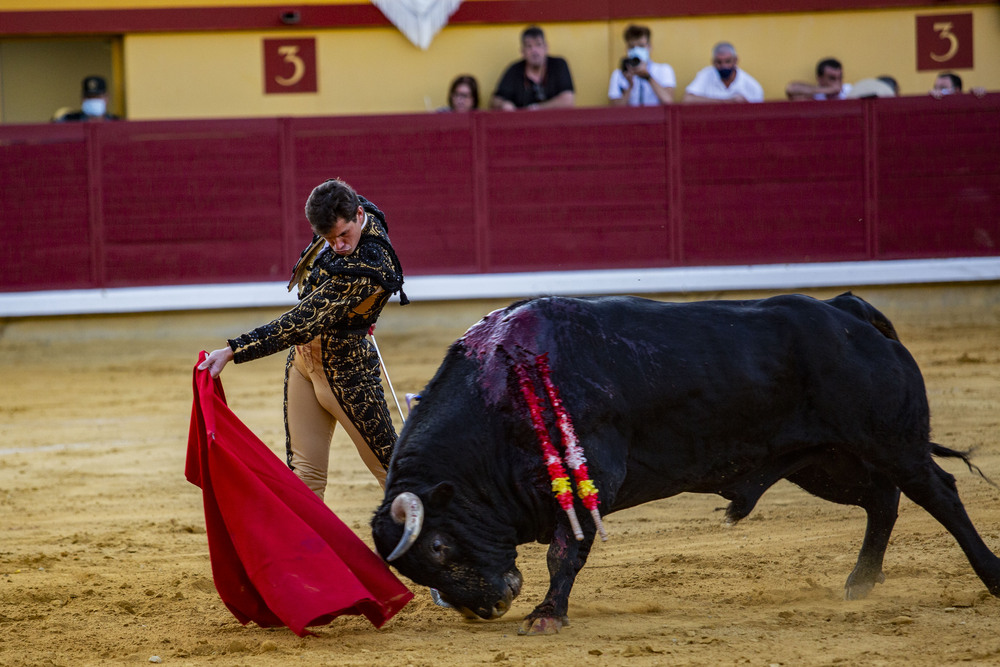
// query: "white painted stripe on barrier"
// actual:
[[519, 285]]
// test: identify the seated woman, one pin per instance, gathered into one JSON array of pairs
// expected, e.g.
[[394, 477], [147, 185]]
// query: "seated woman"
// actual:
[[463, 95]]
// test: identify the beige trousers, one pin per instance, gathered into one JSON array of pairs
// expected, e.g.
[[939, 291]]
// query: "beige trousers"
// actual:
[[313, 413]]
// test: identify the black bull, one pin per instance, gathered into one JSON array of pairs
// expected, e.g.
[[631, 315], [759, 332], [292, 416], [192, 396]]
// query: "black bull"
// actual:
[[724, 397]]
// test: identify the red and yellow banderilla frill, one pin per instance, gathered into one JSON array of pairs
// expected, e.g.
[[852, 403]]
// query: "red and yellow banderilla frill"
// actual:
[[561, 486]]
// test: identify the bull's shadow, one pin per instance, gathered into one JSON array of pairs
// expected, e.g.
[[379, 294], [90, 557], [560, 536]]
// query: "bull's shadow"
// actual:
[[723, 397]]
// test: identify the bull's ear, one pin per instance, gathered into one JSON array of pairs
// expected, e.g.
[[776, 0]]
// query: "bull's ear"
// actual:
[[439, 496]]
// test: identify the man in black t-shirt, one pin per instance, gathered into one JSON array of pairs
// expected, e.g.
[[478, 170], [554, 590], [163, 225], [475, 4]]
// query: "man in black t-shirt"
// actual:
[[538, 81]]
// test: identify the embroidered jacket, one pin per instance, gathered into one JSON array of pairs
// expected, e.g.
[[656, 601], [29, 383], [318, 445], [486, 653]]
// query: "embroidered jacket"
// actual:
[[340, 297]]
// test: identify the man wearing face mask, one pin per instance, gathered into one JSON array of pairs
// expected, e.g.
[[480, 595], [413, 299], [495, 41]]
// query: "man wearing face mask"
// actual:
[[723, 81], [639, 81], [94, 106], [949, 83]]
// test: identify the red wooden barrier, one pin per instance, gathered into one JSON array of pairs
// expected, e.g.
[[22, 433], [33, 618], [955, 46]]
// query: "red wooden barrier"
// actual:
[[220, 201]]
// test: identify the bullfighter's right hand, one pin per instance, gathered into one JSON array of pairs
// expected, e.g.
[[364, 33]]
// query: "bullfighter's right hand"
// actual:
[[216, 361]]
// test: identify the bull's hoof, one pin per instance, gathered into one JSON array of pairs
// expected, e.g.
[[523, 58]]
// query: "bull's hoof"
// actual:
[[858, 588], [543, 625]]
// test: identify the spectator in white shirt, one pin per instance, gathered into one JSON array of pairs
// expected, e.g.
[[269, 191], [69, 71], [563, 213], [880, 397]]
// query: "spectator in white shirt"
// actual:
[[723, 81]]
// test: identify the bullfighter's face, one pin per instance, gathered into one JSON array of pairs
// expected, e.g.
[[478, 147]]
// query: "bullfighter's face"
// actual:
[[346, 233]]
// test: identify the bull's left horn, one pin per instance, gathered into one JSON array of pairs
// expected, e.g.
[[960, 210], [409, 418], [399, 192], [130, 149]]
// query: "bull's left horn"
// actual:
[[409, 511]]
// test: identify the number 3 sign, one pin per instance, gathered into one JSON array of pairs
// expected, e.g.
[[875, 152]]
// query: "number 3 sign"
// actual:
[[944, 41], [289, 66]]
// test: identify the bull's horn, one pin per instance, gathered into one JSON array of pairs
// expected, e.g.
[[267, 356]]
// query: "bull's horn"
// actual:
[[408, 510]]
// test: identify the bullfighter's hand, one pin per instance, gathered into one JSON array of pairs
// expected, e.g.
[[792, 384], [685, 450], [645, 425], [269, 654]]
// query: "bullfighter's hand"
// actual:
[[216, 361]]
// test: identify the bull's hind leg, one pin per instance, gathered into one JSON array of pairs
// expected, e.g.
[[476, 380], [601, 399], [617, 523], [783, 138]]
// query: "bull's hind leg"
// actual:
[[934, 489], [855, 483]]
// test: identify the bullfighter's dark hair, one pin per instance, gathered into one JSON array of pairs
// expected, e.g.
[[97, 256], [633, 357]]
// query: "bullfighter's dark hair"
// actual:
[[832, 63], [636, 32], [330, 201]]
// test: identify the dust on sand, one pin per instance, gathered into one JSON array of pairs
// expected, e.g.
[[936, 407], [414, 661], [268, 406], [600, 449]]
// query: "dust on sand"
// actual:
[[103, 555]]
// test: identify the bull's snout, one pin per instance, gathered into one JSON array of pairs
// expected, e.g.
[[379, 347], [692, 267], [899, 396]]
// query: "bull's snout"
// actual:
[[512, 587], [501, 607]]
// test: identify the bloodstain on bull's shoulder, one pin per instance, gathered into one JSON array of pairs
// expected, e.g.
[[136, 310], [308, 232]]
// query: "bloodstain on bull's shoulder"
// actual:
[[515, 334], [514, 325], [498, 339]]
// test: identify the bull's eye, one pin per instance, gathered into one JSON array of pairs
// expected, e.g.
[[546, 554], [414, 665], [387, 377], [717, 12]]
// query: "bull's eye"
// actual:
[[439, 549]]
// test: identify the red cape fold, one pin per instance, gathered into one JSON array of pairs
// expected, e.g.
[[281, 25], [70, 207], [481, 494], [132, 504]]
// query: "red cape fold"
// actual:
[[279, 555]]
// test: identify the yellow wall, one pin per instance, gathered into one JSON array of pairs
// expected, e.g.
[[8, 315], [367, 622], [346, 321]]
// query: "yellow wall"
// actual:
[[377, 70]]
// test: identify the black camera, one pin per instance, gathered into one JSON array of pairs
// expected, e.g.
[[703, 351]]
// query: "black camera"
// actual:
[[630, 62]]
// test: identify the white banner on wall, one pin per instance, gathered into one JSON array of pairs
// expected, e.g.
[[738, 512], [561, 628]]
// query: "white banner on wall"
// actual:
[[419, 20]]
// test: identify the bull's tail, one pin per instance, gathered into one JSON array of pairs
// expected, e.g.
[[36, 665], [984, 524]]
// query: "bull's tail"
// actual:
[[966, 456], [865, 312]]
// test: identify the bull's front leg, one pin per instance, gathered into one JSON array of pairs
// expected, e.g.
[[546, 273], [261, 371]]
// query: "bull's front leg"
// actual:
[[566, 558]]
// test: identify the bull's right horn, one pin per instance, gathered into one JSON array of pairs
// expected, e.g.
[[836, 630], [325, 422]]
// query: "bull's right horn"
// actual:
[[408, 510]]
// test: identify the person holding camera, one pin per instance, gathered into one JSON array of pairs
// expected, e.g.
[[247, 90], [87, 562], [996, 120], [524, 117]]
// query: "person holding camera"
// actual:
[[639, 81]]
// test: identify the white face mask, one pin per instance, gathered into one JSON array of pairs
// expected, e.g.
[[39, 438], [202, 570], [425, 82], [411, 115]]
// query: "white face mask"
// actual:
[[640, 52], [94, 106]]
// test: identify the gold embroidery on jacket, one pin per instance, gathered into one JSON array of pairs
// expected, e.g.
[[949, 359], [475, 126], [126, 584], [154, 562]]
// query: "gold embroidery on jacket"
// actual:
[[340, 298]]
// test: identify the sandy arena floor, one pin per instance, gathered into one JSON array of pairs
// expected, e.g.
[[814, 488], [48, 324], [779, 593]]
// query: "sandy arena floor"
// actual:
[[103, 556]]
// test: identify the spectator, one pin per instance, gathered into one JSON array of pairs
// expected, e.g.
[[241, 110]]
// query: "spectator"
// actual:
[[829, 83], [639, 81], [949, 83], [463, 95], [537, 81], [94, 105], [723, 81], [946, 83]]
